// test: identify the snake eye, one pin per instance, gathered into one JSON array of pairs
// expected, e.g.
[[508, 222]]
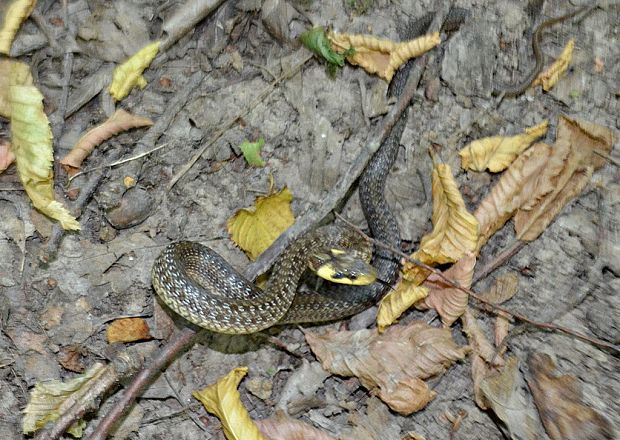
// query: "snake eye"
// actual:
[[338, 275], [353, 276]]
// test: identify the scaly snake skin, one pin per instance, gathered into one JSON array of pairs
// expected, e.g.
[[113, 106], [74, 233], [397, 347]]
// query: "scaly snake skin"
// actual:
[[198, 284]]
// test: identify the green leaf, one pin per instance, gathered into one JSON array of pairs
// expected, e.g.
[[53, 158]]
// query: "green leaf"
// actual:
[[251, 152], [316, 40]]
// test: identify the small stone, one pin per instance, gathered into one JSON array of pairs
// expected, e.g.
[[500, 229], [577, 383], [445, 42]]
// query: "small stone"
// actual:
[[135, 207], [260, 387]]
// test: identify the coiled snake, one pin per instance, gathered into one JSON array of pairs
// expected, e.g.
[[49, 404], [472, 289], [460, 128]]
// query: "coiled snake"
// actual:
[[198, 284]]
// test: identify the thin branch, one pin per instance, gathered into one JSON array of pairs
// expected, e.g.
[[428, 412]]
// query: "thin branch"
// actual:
[[182, 340], [118, 162], [488, 305]]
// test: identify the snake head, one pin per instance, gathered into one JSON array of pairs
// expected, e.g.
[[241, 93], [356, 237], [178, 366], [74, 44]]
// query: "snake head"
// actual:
[[342, 267]]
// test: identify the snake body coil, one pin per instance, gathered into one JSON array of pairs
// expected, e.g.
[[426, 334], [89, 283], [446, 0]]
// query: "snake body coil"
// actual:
[[198, 284]]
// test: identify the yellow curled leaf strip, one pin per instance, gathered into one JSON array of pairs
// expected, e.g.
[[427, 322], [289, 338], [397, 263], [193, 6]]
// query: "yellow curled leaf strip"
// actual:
[[551, 75], [379, 55], [32, 145], [129, 74], [496, 153], [11, 18], [223, 400]]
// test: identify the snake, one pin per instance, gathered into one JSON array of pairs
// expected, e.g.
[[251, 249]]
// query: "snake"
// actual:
[[512, 91], [200, 285]]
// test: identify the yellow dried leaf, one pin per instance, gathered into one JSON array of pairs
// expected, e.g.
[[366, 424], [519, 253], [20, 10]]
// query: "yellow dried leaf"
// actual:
[[515, 186], [551, 75], [129, 74], [120, 121], [455, 230], [254, 229], [32, 145], [392, 364], [223, 400], [397, 301], [569, 169], [450, 302], [495, 153], [128, 330], [50, 400], [22, 77], [6, 155], [12, 15], [379, 55]]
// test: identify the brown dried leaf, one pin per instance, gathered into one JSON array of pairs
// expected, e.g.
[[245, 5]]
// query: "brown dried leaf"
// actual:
[[515, 186], [70, 357], [128, 330], [6, 155], [379, 55], [568, 171], [502, 392], [282, 427], [478, 340], [120, 121], [561, 405], [450, 302], [551, 75], [505, 287], [392, 364], [502, 327], [496, 153]]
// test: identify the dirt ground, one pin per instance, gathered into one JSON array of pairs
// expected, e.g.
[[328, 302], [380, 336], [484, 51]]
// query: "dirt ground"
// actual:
[[54, 315]]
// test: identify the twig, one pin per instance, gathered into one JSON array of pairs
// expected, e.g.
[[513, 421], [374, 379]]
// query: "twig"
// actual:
[[499, 260], [86, 192], [315, 214], [125, 364], [118, 162], [251, 106], [182, 340], [488, 305]]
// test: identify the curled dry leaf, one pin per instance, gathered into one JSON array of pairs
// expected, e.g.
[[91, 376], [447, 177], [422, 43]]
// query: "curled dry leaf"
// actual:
[[254, 229], [514, 187], [50, 400], [392, 364], [223, 400], [129, 74], [397, 301], [496, 153], [479, 342], [567, 172], [561, 405], [128, 330], [120, 121], [31, 138], [12, 15], [282, 427], [449, 302], [504, 288], [551, 75], [381, 56], [6, 155], [455, 230], [502, 392]]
